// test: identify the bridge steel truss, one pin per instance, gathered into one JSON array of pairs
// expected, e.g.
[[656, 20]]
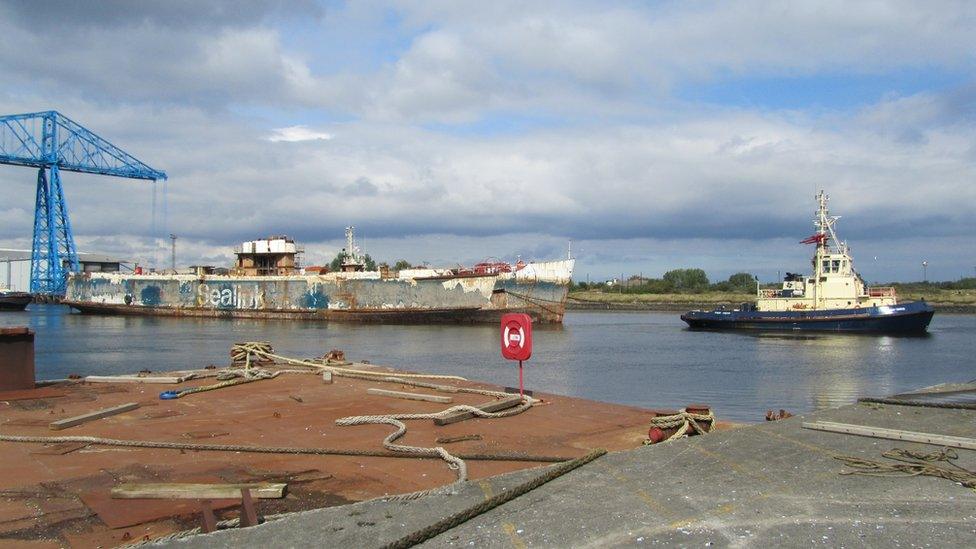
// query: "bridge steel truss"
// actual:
[[52, 143]]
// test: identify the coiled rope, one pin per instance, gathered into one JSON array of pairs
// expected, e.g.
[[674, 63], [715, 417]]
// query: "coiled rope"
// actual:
[[912, 464], [686, 422], [262, 352], [251, 350]]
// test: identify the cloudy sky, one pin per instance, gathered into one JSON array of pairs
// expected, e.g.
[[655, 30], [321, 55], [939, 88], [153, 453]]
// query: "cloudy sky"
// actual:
[[655, 135]]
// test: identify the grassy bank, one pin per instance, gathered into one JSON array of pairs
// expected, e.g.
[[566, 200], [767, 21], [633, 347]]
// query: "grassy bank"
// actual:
[[956, 300], [938, 296], [610, 297]]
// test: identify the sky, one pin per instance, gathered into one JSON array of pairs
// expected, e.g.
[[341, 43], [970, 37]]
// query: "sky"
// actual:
[[654, 135]]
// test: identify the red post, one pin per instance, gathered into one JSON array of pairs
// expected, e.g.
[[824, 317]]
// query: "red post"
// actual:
[[521, 386]]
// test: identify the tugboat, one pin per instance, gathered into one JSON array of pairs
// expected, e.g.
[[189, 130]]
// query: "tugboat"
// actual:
[[833, 299]]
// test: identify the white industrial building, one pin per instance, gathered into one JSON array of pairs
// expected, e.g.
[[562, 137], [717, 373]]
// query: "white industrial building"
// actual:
[[15, 267]]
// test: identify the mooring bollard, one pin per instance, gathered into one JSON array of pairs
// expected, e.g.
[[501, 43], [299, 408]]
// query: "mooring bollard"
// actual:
[[16, 359]]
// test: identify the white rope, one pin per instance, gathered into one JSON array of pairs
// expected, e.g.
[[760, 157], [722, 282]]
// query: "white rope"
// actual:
[[454, 462], [260, 349]]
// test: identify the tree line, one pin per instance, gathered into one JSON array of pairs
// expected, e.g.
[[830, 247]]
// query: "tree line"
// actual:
[[693, 281], [368, 262]]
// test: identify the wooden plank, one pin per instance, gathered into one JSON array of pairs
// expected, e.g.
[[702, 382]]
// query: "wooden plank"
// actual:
[[410, 396], [462, 438], [91, 416], [492, 406], [892, 434], [260, 490], [136, 379]]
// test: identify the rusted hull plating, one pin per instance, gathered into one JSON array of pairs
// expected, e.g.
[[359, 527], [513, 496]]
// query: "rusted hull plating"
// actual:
[[539, 291]]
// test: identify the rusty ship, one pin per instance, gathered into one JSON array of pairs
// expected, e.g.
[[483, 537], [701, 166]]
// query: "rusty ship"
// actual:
[[267, 282]]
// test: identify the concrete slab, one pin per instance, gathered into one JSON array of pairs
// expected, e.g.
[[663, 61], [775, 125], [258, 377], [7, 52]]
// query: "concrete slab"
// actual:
[[773, 484]]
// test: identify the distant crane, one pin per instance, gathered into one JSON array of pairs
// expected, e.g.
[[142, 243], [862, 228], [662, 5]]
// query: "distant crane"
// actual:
[[52, 142]]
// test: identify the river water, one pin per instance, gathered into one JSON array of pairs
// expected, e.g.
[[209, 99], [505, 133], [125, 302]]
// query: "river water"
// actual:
[[645, 359]]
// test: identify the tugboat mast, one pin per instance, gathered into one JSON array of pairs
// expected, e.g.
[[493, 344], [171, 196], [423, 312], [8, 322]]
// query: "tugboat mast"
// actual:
[[824, 223]]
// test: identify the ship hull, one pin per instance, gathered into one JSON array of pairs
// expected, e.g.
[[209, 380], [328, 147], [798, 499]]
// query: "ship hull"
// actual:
[[539, 290], [15, 301], [366, 316], [905, 318]]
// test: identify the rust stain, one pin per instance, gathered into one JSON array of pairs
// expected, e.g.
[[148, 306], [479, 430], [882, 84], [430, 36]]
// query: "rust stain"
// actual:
[[244, 415]]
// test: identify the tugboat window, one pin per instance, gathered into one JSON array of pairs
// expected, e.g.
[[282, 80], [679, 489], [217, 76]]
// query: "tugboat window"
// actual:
[[826, 266], [835, 266]]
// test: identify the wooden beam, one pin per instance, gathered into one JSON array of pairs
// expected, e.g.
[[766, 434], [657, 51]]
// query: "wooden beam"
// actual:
[[136, 379], [892, 434], [259, 490], [410, 396], [462, 438], [492, 406], [91, 416]]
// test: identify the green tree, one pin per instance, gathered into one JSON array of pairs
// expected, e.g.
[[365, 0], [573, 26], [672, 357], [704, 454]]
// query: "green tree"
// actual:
[[401, 264], [687, 280], [340, 257], [742, 283]]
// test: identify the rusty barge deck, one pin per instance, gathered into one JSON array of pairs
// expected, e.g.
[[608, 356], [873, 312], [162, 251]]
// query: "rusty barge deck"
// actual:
[[56, 495]]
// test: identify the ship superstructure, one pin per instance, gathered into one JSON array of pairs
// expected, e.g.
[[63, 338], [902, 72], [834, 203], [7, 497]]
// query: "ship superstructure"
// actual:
[[834, 284]]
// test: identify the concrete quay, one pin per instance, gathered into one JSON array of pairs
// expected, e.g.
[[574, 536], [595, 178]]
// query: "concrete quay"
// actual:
[[773, 484]]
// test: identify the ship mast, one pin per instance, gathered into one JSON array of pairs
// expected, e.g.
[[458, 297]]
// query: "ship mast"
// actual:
[[824, 223], [353, 260], [350, 246]]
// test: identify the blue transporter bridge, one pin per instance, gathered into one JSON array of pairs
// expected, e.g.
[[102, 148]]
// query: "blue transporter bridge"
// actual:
[[52, 143]]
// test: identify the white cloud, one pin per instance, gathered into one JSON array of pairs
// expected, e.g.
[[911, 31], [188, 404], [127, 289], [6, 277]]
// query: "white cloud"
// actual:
[[623, 160], [297, 133]]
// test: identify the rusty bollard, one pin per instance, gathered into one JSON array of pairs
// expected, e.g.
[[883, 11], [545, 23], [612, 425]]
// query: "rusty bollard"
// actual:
[[657, 434], [16, 359]]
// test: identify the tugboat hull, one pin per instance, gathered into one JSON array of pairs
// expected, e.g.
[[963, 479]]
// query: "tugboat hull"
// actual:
[[904, 318]]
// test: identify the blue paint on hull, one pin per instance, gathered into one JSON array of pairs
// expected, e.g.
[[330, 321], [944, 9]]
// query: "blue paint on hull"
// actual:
[[904, 318], [436, 299]]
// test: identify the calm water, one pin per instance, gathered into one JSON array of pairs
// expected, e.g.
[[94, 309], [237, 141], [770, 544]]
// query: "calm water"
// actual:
[[644, 359]]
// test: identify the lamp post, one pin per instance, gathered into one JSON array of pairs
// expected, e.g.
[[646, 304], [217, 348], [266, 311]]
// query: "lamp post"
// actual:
[[173, 238], [925, 271]]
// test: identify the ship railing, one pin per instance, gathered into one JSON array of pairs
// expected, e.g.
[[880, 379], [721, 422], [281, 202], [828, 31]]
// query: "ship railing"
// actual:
[[885, 291], [768, 293]]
